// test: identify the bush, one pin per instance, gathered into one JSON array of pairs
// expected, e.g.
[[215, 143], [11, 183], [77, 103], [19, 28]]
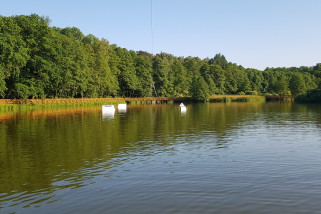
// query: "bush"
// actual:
[[251, 93], [22, 91], [313, 96], [199, 89]]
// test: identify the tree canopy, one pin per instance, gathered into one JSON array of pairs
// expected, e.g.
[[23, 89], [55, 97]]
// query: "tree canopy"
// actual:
[[39, 61]]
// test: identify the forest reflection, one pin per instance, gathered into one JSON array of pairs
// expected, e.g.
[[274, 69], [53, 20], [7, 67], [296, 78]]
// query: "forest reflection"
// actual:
[[58, 149]]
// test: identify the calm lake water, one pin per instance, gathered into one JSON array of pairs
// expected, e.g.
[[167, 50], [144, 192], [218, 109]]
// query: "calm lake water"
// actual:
[[215, 158]]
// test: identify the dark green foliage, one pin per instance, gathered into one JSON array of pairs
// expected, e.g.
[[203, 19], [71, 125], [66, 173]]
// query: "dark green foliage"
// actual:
[[22, 91], [297, 84], [179, 79], [38, 61], [199, 89], [161, 75], [220, 60], [127, 78], [313, 96], [256, 80], [73, 32], [144, 70], [3, 87]]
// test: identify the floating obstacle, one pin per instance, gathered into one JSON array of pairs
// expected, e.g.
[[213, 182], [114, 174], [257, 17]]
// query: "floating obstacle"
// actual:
[[122, 106], [183, 108], [108, 111], [108, 108]]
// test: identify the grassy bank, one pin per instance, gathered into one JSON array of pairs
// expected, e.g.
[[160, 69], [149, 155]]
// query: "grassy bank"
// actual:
[[237, 98], [313, 96], [37, 104]]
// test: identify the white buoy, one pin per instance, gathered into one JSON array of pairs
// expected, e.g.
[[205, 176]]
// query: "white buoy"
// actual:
[[122, 106], [108, 115], [108, 108], [108, 111], [183, 108]]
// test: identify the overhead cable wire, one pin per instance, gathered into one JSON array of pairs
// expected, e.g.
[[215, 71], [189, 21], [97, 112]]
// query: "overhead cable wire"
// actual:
[[151, 24]]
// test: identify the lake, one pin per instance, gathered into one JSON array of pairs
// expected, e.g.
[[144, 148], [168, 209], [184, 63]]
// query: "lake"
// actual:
[[215, 158]]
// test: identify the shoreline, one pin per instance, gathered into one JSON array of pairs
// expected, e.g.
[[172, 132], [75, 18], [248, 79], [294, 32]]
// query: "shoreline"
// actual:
[[60, 103], [140, 100]]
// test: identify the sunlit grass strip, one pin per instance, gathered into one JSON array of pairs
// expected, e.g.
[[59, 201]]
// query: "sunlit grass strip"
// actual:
[[61, 101], [38, 104], [33, 105], [90, 100]]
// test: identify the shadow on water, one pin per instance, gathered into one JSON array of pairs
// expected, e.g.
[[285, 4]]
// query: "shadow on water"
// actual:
[[43, 152]]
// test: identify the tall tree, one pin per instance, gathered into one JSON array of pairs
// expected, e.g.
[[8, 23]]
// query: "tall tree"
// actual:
[[13, 54], [199, 89], [297, 84], [144, 69], [38, 61], [219, 59], [161, 70]]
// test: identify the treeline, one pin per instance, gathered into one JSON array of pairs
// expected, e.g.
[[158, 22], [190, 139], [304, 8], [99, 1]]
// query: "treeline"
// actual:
[[38, 61]]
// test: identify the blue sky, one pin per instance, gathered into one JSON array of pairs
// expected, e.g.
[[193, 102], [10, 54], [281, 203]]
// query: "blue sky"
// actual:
[[252, 33]]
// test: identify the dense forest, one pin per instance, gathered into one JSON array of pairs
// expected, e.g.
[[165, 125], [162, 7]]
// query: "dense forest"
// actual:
[[39, 61]]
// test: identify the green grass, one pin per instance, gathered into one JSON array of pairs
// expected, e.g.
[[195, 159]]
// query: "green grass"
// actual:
[[54, 106], [232, 98], [97, 103]]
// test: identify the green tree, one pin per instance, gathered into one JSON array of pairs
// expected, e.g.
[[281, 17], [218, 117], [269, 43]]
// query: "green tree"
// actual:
[[219, 59], [199, 89], [280, 84], [22, 91], [219, 77], [208, 76], [13, 54], [256, 80], [144, 69], [193, 66], [39, 61], [73, 32], [180, 78], [161, 71], [297, 84], [103, 80], [3, 87]]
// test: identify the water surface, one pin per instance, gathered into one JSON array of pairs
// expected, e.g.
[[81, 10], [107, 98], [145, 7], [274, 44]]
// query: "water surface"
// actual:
[[215, 158]]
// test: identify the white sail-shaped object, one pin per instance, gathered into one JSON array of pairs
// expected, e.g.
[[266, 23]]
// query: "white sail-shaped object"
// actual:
[[183, 108]]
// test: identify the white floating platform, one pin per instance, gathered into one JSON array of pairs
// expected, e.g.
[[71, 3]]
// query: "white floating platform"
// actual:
[[108, 114], [183, 108], [122, 106], [108, 108], [108, 111]]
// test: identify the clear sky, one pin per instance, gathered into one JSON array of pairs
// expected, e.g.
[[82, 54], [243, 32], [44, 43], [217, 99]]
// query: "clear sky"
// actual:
[[252, 33]]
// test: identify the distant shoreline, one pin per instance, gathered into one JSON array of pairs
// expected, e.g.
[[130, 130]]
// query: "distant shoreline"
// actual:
[[139, 100], [40, 61]]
